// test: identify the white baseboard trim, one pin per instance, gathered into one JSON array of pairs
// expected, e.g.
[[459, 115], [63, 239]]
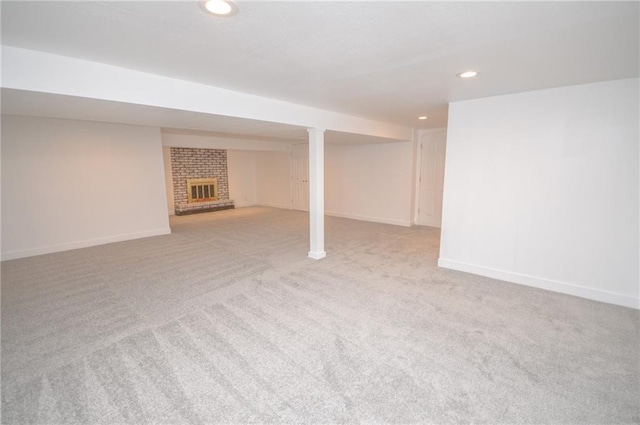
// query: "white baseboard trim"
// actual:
[[431, 222], [404, 223], [245, 204], [549, 285], [13, 255], [342, 215], [274, 205]]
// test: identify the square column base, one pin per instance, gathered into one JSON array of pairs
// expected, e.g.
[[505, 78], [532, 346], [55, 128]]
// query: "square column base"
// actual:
[[317, 255]]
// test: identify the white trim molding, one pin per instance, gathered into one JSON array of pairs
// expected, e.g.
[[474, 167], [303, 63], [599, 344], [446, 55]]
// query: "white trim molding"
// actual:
[[404, 223], [547, 284], [317, 255], [13, 255], [273, 205]]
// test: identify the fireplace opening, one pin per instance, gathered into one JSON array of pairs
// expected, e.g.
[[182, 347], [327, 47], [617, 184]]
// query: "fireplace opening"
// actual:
[[202, 190]]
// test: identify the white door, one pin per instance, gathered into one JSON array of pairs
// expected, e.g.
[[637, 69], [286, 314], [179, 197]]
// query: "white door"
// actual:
[[433, 149], [300, 177]]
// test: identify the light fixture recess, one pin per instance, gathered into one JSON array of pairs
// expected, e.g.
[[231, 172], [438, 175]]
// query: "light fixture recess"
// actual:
[[222, 8], [422, 117], [467, 74]]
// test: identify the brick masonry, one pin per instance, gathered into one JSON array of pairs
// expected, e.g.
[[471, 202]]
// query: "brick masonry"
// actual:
[[192, 163]]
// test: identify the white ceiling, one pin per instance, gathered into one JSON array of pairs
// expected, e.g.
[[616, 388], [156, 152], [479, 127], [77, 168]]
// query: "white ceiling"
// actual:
[[389, 61]]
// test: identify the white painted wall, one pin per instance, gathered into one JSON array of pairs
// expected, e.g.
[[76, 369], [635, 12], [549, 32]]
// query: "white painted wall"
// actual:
[[71, 184], [371, 182], [274, 179], [242, 166], [542, 188], [168, 179]]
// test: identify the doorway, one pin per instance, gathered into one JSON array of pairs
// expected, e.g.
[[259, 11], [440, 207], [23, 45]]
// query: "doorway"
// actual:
[[432, 151], [300, 177]]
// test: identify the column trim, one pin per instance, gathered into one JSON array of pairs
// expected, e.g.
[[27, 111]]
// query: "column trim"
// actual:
[[316, 193]]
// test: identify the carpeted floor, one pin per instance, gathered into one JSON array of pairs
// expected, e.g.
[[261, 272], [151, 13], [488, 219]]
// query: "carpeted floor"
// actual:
[[227, 321]]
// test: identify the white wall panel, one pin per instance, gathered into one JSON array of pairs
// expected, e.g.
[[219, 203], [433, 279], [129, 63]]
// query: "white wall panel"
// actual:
[[168, 179], [541, 188], [274, 179], [242, 166], [370, 182], [71, 184]]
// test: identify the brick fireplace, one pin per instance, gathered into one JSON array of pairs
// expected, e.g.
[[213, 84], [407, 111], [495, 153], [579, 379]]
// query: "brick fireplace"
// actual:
[[200, 180]]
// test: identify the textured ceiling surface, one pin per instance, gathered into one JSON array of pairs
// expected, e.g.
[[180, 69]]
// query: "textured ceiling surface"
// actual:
[[389, 61]]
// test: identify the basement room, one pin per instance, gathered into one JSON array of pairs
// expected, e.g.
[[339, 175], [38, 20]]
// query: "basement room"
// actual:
[[275, 212]]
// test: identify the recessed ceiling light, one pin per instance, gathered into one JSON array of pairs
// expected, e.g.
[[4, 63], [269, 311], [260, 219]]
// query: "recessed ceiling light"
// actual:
[[467, 74], [424, 117], [219, 7]]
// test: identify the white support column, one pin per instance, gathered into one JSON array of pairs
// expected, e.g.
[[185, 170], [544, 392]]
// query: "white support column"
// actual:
[[316, 192]]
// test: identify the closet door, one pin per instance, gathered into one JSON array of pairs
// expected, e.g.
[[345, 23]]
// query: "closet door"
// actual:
[[433, 149], [300, 177]]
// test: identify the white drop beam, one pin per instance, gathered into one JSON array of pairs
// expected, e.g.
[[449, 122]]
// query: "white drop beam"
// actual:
[[47, 73], [316, 193]]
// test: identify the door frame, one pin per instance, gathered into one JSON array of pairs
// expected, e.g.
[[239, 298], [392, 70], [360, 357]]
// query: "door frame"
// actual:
[[422, 136], [297, 149]]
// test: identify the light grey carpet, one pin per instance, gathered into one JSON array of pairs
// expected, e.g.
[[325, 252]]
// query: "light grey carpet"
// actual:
[[227, 321]]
